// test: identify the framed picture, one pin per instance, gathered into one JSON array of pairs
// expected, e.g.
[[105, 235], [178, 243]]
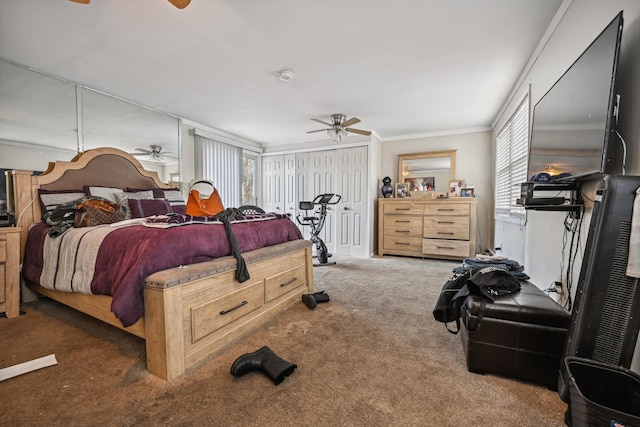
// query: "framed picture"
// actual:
[[466, 192], [402, 190], [455, 187]]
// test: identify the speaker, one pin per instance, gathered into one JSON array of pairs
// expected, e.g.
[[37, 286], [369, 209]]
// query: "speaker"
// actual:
[[603, 325]]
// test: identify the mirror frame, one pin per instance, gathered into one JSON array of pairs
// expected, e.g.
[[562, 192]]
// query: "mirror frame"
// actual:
[[451, 154]]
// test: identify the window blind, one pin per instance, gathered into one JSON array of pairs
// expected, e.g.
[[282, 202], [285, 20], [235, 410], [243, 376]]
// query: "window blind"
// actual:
[[512, 151], [221, 164]]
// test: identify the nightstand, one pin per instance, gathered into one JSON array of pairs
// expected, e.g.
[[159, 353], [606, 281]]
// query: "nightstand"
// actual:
[[10, 271]]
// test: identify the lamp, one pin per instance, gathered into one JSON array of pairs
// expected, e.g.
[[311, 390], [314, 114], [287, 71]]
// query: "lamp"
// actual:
[[336, 134]]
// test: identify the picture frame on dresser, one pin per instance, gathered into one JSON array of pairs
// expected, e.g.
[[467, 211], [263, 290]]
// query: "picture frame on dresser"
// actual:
[[466, 192], [402, 190], [455, 187]]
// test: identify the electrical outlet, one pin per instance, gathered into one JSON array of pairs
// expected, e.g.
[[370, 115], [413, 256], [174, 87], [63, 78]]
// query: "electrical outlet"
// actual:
[[558, 286]]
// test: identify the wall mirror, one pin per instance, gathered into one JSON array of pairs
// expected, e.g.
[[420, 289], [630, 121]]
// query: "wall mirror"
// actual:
[[46, 113], [430, 171]]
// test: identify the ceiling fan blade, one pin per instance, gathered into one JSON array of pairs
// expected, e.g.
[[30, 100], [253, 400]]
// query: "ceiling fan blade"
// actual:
[[319, 130], [351, 121], [180, 4], [324, 123], [358, 131], [81, 1], [143, 150]]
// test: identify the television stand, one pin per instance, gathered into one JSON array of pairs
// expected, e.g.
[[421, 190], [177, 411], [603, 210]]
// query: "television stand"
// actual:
[[530, 201]]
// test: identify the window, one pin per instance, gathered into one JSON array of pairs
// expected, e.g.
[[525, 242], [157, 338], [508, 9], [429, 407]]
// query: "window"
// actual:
[[249, 178], [511, 163]]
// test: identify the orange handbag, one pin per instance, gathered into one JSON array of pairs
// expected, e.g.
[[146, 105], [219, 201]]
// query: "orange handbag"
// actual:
[[199, 206]]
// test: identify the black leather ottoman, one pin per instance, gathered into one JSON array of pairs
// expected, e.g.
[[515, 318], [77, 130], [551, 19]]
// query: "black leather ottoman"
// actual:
[[520, 335]]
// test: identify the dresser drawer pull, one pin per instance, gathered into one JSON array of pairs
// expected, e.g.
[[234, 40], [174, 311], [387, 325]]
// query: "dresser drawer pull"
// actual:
[[444, 222], [403, 209], [402, 220], [445, 209], [445, 247], [403, 231], [445, 232], [234, 308], [402, 243], [282, 285]]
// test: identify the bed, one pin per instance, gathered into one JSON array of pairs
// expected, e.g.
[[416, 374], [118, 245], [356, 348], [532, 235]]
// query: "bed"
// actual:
[[191, 303]]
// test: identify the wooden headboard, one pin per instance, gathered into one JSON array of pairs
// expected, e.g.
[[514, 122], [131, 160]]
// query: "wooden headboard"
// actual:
[[106, 167]]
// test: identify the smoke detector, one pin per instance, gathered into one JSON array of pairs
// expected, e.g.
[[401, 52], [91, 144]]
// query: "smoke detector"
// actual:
[[285, 75]]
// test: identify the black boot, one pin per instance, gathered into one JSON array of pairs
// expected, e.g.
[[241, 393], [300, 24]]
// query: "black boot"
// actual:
[[265, 361], [312, 300]]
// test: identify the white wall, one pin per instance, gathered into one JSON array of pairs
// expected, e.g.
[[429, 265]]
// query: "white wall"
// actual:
[[538, 244]]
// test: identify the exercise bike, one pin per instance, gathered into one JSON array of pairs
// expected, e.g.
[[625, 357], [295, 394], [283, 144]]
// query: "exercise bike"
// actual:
[[316, 223]]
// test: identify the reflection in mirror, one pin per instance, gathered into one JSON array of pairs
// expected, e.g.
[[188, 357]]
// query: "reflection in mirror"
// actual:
[[111, 122], [430, 171], [44, 119], [36, 109]]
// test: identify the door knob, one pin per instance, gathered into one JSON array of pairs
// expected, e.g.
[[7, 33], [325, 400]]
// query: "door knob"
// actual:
[[346, 208]]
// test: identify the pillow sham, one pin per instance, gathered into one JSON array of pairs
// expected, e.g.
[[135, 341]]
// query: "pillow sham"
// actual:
[[141, 208], [109, 193], [51, 199], [124, 197], [174, 197]]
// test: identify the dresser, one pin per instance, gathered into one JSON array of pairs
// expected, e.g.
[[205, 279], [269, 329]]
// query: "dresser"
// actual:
[[10, 271], [427, 228]]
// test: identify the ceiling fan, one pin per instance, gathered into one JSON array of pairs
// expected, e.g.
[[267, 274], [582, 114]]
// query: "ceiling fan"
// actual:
[[180, 4], [339, 127], [155, 153]]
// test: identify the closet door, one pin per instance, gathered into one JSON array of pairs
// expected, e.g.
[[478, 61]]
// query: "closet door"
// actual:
[[351, 212], [302, 188], [273, 173], [289, 189], [322, 171]]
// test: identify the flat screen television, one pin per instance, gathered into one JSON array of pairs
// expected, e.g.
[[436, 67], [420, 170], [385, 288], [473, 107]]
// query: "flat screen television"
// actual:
[[573, 135]]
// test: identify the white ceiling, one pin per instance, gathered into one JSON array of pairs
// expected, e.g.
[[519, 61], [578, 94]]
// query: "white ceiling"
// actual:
[[405, 67]]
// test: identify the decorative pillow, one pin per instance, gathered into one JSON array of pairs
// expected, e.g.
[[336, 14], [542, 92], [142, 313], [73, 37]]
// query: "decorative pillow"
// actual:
[[108, 193], [174, 197], [143, 207], [124, 197], [50, 199]]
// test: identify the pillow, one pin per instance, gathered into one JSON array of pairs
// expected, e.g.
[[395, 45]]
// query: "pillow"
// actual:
[[174, 197], [124, 197], [50, 199], [141, 208], [108, 193]]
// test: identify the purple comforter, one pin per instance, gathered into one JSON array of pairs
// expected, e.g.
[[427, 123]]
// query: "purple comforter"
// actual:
[[129, 254]]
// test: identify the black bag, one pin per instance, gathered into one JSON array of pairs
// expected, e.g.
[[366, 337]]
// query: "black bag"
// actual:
[[452, 296], [492, 282]]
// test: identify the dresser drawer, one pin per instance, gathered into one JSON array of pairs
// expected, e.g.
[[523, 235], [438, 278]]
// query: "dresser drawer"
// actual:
[[3, 249], [407, 208], [209, 317], [409, 244], [444, 227], [284, 282], [403, 225], [447, 209], [453, 248]]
